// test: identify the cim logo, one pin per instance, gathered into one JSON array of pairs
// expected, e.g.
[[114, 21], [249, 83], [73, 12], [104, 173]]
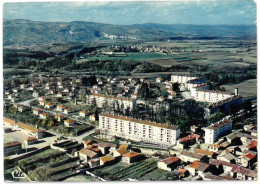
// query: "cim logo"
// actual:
[[18, 174]]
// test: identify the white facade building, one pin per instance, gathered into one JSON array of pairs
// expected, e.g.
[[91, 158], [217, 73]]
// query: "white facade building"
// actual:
[[139, 130], [210, 96], [181, 79], [101, 99], [216, 130]]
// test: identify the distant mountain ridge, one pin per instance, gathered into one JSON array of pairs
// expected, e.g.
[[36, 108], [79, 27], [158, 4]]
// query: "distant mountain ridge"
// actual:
[[26, 32]]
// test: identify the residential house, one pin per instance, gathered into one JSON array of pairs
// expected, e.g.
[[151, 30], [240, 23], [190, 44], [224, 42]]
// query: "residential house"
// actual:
[[49, 105], [242, 173], [60, 117], [69, 123], [68, 110], [252, 145], [209, 154], [42, 102], [168, 164], [188, 156], [61, 107], [183, 173], [94, 162], [44, 115], [159, 80], [96, 150], [60, 94], [119, 152], [35, 94], [92, 117], [227, 157], [106, 160], [21, 108], [105, 147], [37, 111], [86, 154], [88, 142], [131, 157], [198, 168], [42, 98], [247, 160], [83, 113], [184, 142], [209, 176]]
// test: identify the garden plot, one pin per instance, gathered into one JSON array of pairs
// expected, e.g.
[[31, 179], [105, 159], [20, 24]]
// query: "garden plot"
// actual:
[[56, 170], [120, 171]]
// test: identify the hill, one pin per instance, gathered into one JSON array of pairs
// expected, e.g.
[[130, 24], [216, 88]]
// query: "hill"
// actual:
[[22, 32]]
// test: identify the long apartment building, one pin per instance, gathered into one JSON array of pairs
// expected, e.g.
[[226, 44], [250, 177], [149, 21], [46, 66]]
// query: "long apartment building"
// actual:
[[182, 79], [139, 130], [223, 104], [100, 99], [210, 96], [32, 131], [218, 129], [199, 90]]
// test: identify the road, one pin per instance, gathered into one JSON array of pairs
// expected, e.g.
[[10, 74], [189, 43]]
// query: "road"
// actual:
[[27, 102]]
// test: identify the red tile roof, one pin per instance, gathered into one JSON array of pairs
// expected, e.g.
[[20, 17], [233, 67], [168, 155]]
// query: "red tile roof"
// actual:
[[9, 144], [204, 152], [250, 156], [189, 137], [131, 154], [31, 138], [169, 160], [252, 144]]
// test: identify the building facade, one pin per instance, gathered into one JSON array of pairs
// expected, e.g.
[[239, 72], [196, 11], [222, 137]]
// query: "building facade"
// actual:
[[216, 130], [139, 130], [100, 100]]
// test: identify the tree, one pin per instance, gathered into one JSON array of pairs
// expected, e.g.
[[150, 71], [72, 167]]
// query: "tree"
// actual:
[[216, 117], [51, 123], [247, 105], [44, 123]]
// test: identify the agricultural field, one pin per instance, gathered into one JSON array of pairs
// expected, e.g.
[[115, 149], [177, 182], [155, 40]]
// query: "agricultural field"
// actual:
[[246, 89], [130, 56], [216, 52]]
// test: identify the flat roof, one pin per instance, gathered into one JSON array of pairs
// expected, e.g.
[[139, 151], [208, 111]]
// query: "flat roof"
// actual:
[[219, 124]]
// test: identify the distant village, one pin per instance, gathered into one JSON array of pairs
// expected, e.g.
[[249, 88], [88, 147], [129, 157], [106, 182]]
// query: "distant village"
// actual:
[[107, 122]]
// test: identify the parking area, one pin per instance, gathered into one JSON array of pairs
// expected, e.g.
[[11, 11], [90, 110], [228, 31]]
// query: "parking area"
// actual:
[[21, 135]]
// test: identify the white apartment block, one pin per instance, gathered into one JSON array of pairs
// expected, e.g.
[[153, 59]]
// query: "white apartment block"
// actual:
[[101, 99], [139, 130], [216, 130], [210, 96], [181, 79]]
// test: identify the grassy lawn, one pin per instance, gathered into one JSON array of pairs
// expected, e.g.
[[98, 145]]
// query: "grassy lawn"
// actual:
[[130, 56], [246, 89]]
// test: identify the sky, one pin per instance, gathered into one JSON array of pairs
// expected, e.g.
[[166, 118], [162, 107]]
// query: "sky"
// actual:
[[212, 12]]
